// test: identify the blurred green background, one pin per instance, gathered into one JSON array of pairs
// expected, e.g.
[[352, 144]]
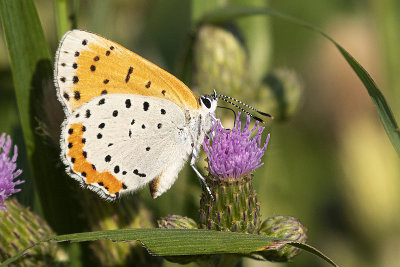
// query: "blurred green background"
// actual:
[[329, 164]]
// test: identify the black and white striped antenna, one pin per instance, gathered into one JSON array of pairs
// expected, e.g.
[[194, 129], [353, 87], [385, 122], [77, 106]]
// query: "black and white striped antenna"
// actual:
[[229, 100]]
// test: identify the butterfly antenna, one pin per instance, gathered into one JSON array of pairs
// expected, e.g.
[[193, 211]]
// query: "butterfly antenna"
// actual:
[[242, 103], [242, 109], [234, 113]]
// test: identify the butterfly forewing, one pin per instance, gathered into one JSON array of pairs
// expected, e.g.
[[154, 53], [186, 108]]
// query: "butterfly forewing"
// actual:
[[88, 65], [117, 143]]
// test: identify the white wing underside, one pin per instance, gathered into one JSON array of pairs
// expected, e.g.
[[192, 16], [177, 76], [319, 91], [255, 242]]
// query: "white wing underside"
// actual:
[[135, 138]]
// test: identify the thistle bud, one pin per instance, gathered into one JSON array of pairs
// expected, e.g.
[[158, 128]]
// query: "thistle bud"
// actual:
[[21, 228], [221, 61], [232, 157], [283, 227], [281, 93], [177, 222]]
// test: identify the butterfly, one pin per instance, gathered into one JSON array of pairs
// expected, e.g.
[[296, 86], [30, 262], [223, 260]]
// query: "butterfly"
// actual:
[[128, 122]]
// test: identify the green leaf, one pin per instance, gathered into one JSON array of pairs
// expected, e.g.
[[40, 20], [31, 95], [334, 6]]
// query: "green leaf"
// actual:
[[39, 111], [384, 111], [177, 242]]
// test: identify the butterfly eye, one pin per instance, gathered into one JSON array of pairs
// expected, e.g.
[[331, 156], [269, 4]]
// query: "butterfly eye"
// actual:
[[206, 102]]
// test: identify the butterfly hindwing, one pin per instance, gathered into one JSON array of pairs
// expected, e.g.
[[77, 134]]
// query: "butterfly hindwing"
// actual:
[[88, 65], [118, 143]]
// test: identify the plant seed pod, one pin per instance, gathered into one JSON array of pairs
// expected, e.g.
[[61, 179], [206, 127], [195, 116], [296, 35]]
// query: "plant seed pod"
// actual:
[[177, 222], [221, 62], [286, 227], [21, 228], [281, 93]]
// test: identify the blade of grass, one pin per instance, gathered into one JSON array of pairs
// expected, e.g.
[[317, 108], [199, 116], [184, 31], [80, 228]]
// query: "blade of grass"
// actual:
[[37, 103], [383, 108], [177, 242]]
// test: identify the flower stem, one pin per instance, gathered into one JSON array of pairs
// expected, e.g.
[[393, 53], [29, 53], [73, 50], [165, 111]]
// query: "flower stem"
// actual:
[[234, 207]]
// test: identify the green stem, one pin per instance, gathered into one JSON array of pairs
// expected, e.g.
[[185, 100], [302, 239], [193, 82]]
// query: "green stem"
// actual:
[[61, 11], [74, 15]]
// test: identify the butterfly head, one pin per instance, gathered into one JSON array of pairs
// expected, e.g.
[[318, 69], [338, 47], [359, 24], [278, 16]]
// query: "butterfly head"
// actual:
[[208, 103]]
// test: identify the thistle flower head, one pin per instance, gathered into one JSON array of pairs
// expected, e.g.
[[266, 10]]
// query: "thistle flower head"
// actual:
[[7, 170], [234, 153]]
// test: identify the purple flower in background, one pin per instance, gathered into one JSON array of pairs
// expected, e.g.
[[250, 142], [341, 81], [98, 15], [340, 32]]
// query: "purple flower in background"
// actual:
[[7, 170], [233, 153]]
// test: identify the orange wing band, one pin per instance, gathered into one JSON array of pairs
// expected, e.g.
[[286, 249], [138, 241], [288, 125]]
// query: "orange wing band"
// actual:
[[84, 167]]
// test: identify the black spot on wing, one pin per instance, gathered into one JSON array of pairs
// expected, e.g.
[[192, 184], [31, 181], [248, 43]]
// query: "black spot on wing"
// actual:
[[116, 169], [138, 173], [77, 95], [146, 106], [128, 103], [128, 75]]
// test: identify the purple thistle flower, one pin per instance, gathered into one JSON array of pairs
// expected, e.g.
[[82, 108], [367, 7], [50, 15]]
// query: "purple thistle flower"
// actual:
[[7, 170], [233, 153]]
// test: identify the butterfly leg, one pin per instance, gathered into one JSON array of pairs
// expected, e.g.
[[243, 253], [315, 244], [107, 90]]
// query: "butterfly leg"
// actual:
[[201, 178]]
